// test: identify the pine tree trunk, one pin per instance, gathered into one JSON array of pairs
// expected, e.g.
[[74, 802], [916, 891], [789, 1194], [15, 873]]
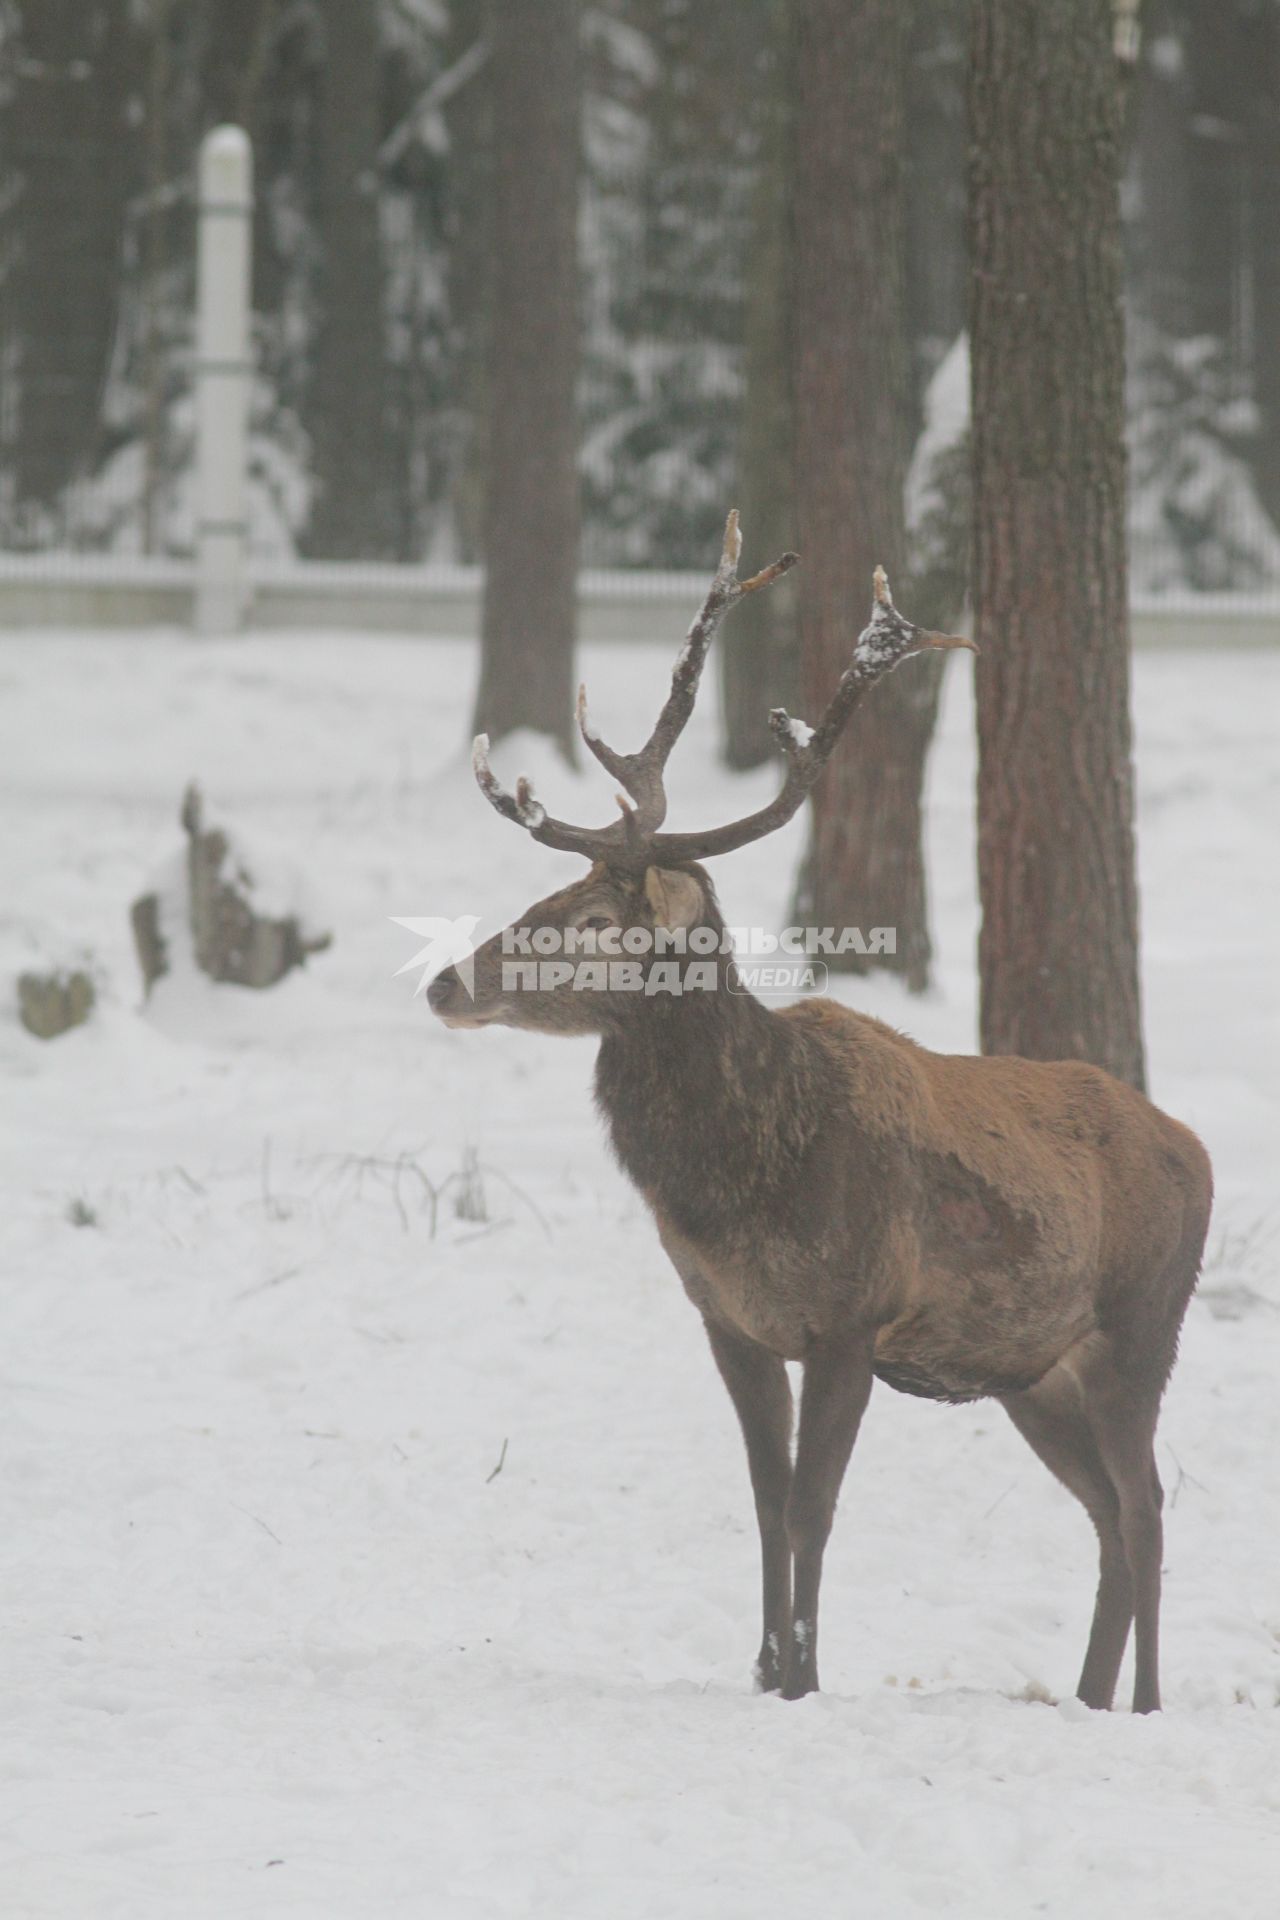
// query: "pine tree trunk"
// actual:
[[68, 142], [353, 517], [758, 663], [468, 268], [1160, 240], [236, 58], [865, 866], [1217, 53], [936, 269], [1263, 151], [531, 482], [1059, 944]]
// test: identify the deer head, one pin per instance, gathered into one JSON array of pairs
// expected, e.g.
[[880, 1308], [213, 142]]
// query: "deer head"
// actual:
[[646, 892]]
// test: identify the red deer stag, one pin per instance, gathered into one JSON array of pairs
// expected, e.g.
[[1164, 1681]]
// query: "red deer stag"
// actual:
[[833, 1194]]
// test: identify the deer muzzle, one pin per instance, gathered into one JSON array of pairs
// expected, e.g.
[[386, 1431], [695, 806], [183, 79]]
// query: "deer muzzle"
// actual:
[[449, 1000]]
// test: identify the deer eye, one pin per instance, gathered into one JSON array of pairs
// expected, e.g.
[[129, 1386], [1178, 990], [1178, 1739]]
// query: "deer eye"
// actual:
[[594, 923]]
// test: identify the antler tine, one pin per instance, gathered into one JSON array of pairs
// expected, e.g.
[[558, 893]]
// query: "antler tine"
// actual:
[[528, 812], [641, 773], [880, 646], [613, 763]]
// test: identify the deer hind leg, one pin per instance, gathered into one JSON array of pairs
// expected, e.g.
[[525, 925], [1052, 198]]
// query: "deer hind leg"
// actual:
[[758, 1386], [837, 1384], [1121, 1412], [1050, 1418]]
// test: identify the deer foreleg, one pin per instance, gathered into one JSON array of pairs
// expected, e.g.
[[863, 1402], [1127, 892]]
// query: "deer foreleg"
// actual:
[[837, 1384], [758, 1385]]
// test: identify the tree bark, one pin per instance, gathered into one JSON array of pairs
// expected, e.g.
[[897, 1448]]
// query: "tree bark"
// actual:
[[353, 517], [1058, 950], [865, 865], [531, 482], [758, 663]]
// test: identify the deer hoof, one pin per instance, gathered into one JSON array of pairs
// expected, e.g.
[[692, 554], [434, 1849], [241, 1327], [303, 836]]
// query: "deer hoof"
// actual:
[[768, 1667]]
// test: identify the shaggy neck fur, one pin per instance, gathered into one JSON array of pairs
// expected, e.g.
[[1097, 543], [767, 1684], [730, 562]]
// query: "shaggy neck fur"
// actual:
[[708, 1099]]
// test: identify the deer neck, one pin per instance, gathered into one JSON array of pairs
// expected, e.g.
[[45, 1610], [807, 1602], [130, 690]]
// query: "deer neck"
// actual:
[[704, 1097]]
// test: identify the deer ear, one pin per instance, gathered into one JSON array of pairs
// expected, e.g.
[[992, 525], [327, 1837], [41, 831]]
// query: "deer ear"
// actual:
[[676, 898]]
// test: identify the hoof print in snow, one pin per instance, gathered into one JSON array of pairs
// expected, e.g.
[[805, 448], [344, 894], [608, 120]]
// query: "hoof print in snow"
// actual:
[[53, 1003], [237, 914]]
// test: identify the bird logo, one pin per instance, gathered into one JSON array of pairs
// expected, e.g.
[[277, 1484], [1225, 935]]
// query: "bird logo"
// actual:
[[448, 943]]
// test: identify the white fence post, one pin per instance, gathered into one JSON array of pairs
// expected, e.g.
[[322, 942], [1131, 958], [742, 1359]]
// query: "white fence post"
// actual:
[[223, 373]]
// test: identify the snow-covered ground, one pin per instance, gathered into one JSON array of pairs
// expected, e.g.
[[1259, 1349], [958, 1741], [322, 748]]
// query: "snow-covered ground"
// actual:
[[278, 1635]]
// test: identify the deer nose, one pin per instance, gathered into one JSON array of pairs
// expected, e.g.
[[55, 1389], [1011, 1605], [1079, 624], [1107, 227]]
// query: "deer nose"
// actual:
[[442, 989]]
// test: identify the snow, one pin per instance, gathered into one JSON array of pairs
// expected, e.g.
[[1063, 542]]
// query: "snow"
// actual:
[[946, 427], [878, 642], [281, 1638]]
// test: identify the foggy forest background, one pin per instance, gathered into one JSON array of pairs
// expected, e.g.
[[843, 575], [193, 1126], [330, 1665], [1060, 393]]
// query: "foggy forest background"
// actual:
[[374, 149]]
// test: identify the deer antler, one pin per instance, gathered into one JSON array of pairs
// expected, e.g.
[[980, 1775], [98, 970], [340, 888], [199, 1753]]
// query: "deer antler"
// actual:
[[626, 841], [641, 773], [529, 812], [634, 839], [880, 646]]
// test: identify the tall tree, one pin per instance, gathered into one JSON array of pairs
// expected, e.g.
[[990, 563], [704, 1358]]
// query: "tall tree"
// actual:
[[69, 146], [1217, 47], [1158, 241], [1059, 944], [353, 516], [865, 864], [1262, 133], [531, 479], [468, 265], [238, 37], [936, 270], [757, 671], [937, 283]]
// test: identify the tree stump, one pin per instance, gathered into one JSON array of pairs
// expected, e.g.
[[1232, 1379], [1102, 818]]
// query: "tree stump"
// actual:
[[232, 935], [53, 1003]]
